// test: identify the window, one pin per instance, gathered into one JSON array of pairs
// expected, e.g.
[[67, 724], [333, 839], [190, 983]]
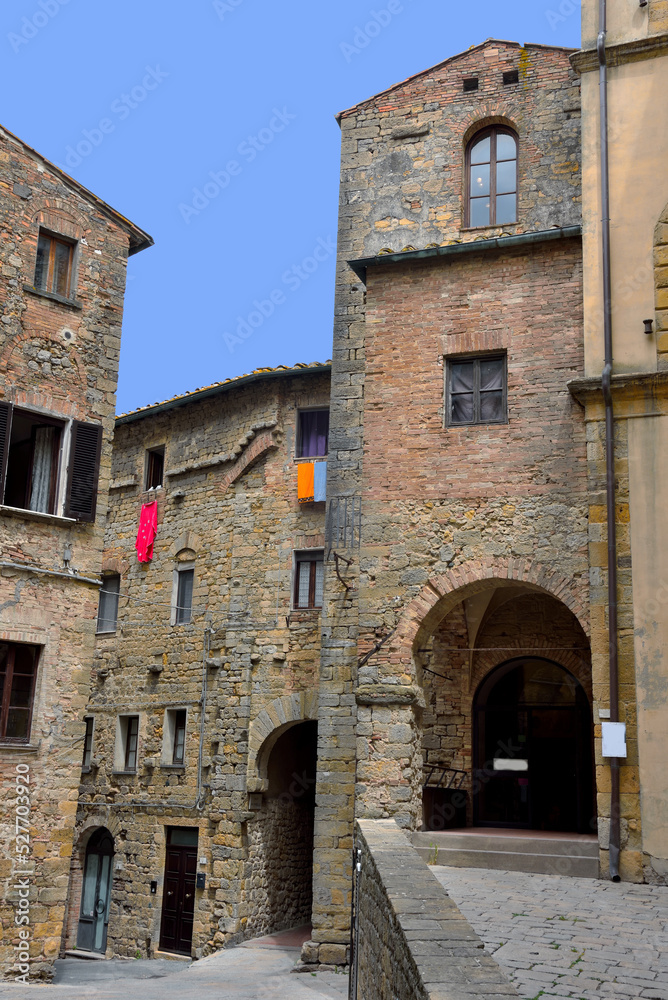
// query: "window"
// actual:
[[53, 267], [309, 574], [476, 390], [88, 743], [18, 671], [107, 612], [470, 83], [184, 595], [312, 433], [179, 745], [129, 740], [33, 449], [511, 76], [155, 464], [492, 178]]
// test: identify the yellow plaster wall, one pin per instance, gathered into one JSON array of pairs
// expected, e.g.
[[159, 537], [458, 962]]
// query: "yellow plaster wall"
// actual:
[[626, 20], [638, 114], [648, 480]]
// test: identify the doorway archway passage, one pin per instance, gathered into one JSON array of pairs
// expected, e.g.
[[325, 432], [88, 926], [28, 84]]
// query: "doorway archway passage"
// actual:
[[533, 749], [96, 893]]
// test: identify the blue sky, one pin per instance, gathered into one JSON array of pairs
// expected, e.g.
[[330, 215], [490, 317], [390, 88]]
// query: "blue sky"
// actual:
[[210, 123]]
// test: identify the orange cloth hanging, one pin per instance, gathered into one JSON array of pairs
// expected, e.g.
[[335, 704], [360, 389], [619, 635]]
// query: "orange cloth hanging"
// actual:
[[305, 482]]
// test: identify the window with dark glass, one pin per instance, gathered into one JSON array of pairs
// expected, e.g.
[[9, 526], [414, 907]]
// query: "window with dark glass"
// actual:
[[18, 671], [178, 755], [312, 433], [476, 390], [184, 596], [107, 612], [309, 576], [492, 178], [53, 266], [155, 464], [131, 726], [88, 741]]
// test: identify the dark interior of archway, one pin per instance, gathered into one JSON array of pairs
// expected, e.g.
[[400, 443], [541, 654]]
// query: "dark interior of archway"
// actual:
[[282, 834], [533, 765]]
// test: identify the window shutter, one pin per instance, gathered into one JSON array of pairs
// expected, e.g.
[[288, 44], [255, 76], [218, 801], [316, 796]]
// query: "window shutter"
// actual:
[[5, 431], [84, 470]]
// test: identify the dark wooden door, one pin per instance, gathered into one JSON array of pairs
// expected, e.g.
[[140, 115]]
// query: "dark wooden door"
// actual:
[[178, 896]]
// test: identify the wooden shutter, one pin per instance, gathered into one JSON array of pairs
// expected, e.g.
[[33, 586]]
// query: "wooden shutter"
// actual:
[[84, 470], [5, 432]]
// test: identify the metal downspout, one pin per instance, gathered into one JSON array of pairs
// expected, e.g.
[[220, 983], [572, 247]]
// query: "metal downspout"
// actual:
[[615, 838]]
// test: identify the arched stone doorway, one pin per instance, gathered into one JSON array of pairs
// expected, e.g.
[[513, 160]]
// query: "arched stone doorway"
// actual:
[[96, 892], [532, 749], [281, 834]]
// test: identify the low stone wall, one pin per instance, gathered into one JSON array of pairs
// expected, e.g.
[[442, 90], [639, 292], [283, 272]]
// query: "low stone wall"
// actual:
[[413, 941]]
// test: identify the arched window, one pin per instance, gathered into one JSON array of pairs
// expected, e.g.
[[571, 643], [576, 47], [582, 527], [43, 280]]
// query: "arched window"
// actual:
[[491, 170]]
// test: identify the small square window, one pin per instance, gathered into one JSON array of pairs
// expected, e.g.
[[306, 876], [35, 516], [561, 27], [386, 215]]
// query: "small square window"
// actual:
[[476, 390], [309, 576], [53, 265], [107, 612], [18, 672], [471, 83], [511, 76], [88, 742], [185, 579], [313, 433], [155, 467]]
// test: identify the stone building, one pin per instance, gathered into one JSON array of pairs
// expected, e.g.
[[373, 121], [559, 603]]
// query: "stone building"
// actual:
[[197, 793], [458, 647], [63, 264], [636, 45]]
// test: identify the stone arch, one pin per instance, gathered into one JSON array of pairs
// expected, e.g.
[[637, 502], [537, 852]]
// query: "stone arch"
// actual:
[[186, 541], [661, 288], [269, 725], [102, 818], [442, 593]]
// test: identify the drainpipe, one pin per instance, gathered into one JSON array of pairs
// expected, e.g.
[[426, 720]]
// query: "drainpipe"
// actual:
[[615, 838]]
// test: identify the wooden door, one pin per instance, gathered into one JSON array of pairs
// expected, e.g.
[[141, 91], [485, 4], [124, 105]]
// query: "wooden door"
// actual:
[[178, 895]]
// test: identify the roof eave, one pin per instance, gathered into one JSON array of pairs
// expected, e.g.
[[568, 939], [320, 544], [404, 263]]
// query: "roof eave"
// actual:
[[199, 394], [360, 265], [139, 238]]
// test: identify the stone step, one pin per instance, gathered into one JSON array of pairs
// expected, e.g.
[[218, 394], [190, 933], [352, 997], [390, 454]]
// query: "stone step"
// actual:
[[577, 856]]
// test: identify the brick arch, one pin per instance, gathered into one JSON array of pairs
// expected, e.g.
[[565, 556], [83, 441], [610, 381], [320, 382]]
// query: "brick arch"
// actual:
[[58, 216], [487, 120], [271, 723], [444, 592]]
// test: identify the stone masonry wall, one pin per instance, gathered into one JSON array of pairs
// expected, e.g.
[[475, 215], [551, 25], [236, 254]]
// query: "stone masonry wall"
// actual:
[[229, 507], [60, 358], [402, 177], [413, 940]]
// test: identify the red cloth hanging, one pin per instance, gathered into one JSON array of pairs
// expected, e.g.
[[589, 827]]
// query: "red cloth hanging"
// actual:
[[148, 526]]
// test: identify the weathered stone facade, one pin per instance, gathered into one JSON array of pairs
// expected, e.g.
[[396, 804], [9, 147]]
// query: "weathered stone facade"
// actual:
[[58, 363], [455, 521], [244, 668]]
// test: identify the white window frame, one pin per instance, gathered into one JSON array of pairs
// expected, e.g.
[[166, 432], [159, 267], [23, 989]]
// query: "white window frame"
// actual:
[[181, 568], [63, 456], [297, 556], [168, 734], [120, 746]]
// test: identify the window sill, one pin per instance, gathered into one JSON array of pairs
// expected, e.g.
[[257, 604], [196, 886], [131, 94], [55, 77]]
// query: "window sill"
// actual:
[[53, 296], [310, 458], [172, 767], [486, 229], [105, 635], [25, 747], [311, 612], [124, 774], [35, 515]]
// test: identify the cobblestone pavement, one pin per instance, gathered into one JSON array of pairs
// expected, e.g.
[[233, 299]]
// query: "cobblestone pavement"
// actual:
[[568, 937], [245, 973]]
